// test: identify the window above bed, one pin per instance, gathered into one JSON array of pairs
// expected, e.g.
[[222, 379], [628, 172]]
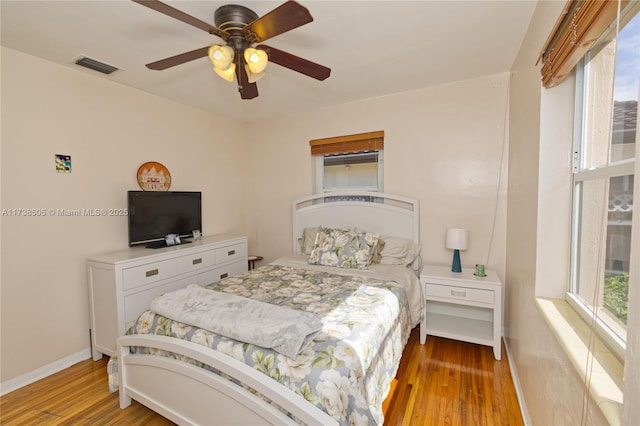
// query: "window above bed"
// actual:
[[353, 162]]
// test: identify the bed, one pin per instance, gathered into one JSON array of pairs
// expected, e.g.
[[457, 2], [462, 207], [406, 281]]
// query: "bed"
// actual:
[[344, 323]]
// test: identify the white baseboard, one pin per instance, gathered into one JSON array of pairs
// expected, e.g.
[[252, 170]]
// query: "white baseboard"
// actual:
[[516, 384], [42, 372]]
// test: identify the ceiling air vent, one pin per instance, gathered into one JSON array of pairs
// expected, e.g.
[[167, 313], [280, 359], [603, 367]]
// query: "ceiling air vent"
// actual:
[[92, 64]]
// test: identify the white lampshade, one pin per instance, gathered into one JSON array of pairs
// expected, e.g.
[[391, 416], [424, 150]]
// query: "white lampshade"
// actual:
[[221, 56], [456, 239], [256, 59]]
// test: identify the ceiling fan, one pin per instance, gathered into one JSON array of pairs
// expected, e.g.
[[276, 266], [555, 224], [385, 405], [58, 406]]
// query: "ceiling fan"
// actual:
[[242, 29]]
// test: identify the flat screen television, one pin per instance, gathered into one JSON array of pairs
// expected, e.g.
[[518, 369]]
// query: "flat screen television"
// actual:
[[155, 214]]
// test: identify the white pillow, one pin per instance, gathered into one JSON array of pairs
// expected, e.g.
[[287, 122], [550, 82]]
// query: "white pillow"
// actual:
[[398, 251], [307, 240]]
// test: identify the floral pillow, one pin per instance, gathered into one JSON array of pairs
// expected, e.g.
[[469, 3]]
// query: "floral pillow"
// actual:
[[343, 249]]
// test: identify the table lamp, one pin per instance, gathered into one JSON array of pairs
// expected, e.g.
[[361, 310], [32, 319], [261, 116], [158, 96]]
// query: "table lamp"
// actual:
[[456, 240]]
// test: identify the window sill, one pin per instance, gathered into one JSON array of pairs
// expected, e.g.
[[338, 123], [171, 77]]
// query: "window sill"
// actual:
[[574, 334]]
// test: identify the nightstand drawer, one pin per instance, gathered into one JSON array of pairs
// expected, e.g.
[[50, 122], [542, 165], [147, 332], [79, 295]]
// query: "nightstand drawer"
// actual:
[[460, 293]]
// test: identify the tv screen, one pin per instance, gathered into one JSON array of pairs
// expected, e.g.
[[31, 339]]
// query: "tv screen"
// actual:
[[155, 214]]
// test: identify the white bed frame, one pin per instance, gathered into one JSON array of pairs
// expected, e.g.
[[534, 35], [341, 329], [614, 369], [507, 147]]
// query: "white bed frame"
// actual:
[[190, 395]]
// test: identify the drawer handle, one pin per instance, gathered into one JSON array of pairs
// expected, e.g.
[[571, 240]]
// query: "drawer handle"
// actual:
[[460, 293], [196, 261], [151, 273], [231, 252], [225, 275]]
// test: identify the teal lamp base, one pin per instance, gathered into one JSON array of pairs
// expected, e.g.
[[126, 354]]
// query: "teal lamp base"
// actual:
[[455, 266]]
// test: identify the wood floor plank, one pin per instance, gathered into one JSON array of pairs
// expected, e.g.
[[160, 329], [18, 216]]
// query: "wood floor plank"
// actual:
[[443, 382], [454, 383]]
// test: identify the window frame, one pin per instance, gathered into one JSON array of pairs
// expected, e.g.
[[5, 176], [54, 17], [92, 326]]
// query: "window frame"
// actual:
[[583, 173], [622, 168], [344, 146], [319, 173]]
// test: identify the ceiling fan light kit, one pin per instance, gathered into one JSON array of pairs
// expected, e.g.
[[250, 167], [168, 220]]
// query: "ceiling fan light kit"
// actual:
[[256, 59], [221, 56], [252, 77], [226, 74], [241, 28]]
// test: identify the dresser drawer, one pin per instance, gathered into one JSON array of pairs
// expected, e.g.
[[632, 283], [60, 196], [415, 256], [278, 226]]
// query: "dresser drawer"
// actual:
[[136, 304], [459, 293], [149, 273], [195, 261], [222, 272], [230, 253]]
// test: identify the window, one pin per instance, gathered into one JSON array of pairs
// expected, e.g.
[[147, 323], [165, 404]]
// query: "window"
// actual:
[[606, 127], [358, 171], [353, 162]]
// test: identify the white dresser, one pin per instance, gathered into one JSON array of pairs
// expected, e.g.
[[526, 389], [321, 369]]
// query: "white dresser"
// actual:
[[123, 284], [462, 306]]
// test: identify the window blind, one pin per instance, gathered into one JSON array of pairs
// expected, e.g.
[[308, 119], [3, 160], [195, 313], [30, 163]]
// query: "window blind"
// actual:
[[360, 142], [580, 24]]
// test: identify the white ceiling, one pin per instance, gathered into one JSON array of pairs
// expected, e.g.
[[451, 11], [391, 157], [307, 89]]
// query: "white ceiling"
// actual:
[[374, 48]]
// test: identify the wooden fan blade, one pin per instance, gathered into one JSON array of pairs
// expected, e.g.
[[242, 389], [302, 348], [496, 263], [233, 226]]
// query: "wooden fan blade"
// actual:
[[295, 63], [172, 12], [283, 18], [182, 58], [247, 90]]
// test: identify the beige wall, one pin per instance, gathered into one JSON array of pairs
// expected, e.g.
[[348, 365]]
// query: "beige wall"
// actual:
[[550, 385], [443, 146], [547, 381], [109, 130]]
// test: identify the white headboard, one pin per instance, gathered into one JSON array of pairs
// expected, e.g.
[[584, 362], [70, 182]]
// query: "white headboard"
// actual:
[[387, 214]]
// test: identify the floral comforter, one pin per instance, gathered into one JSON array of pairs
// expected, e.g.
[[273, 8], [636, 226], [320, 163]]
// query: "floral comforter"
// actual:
[[347, 369]]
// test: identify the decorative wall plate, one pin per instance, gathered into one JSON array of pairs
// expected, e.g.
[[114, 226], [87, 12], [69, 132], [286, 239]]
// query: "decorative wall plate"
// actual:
[[154, 176]]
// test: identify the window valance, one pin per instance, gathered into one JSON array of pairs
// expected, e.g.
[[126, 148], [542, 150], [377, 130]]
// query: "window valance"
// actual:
[[580, 24], [360, 142]]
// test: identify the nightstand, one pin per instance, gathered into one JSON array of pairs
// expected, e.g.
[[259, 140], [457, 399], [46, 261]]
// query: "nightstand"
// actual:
[[252, 259], [462, 306]]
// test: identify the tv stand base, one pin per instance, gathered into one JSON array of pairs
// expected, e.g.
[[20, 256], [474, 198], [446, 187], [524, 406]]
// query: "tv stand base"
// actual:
[[163, 243]]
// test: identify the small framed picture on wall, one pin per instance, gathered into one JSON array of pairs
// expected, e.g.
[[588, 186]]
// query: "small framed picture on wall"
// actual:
[[63, 163]]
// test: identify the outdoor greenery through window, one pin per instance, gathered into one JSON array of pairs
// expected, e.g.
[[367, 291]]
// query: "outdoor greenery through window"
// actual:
[[608, 85]]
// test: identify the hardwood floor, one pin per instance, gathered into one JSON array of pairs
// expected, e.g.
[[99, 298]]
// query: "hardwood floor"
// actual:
[[446, 382], [442, 382]]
